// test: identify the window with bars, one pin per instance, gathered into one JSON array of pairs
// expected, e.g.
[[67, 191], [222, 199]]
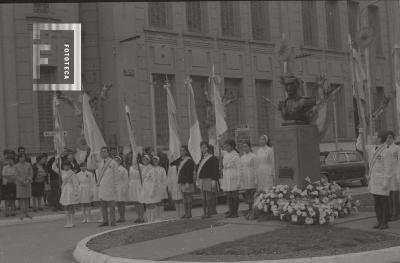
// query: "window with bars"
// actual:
[[41, 8], [375, 23], [45, 110], [353, 10], [333, 24], [379, 95], [310, 23], [230, 19], [159, 14], [264, 111], [232, 96], [196, 16], [161, 107], [260, 20], [200, 87]]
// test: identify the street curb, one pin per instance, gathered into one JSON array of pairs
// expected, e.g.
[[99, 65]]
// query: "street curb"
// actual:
[[82, 254]]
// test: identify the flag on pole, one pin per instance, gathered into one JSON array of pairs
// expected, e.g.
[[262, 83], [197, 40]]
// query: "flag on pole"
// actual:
[[396, 62], [130, 130], [220, 124], [92, 134], [59, 143], [174, 141], [195, 134]]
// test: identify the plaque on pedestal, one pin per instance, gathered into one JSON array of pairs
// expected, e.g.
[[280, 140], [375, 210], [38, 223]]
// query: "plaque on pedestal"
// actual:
[[296, 149]]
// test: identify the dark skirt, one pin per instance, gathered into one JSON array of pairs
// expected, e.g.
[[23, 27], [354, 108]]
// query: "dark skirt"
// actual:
[[38, 189], [8, 191]]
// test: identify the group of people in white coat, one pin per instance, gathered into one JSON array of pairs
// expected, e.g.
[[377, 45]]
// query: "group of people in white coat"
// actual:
[[383, 176], [147, 184]]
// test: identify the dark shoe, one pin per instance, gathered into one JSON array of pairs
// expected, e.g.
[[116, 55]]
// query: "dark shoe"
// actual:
[[28, 216], [376, 226], [234, 215], [103, 224], [228, 215], [384, 226], [137, 221], [113, 224], [35, 210], [121, 220], [205, 216], [40, 209], [7, 215]]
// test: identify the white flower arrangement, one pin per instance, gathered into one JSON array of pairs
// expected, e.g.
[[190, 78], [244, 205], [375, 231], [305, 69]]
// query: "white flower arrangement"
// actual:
[[319, 203]]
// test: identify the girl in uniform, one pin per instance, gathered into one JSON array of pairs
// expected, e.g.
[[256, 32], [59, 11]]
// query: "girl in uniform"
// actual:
[[248, 176], [265, 164], [122, 183], [69, 192], [186, 174], [231, 177], [207, 177], [86, 184], [161, 185], [149, 194], [8, 188], [135, 189]]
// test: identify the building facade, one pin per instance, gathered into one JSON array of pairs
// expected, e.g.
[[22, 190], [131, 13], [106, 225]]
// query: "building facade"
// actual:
[[136, 46]]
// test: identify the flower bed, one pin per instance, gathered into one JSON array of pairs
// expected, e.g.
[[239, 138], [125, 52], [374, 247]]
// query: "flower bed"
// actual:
[[319, 203]]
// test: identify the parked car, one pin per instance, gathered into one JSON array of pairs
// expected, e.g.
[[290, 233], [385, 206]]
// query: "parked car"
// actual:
[[343, 167]]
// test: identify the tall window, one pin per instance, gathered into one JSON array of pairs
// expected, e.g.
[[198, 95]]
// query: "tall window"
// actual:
[[260, 20], [45, 110], [196, 16], [200, 87], [41, 8], [230, 19], [159, 14], [353, 9], [161, 107], [310, 23], [379, 95], [232, 96], [333, 24], [264, 111], [375, 23]]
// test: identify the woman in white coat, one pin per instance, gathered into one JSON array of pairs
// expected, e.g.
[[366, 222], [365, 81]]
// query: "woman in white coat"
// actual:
[[122, 184], [135, 189], [86, 185], [394, 199], [265, 164], [161, 186], [381, 170], [231, 177], [248, 176], [149, 195]]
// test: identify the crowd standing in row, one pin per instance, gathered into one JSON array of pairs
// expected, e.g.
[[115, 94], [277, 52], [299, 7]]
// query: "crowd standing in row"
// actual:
[[146, 180]]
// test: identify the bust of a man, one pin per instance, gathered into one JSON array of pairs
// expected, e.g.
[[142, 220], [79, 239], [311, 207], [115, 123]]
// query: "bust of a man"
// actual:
[[295, 109]]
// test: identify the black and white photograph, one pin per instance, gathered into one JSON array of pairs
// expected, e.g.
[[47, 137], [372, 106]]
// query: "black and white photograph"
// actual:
[[200, 131]]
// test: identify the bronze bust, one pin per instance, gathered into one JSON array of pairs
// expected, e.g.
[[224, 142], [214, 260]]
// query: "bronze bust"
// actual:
[[295, 109]]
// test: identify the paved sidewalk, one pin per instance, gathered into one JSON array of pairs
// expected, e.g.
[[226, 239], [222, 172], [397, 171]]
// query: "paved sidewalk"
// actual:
[[167, 247]]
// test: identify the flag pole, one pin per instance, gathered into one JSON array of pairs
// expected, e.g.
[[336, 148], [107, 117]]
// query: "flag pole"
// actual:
[[361, 114], [153, 112]]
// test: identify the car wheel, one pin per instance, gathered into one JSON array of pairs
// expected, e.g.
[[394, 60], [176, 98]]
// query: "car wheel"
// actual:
[[364, 182]]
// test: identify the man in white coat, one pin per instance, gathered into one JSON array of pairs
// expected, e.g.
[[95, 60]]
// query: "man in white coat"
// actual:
[[107, 172]]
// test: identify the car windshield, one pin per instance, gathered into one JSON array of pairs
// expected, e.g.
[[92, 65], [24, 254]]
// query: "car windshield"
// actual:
[[353, 157]]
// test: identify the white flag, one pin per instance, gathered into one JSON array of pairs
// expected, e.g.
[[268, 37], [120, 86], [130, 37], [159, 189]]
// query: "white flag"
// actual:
[[59, 143], [195, 133], [174, 141], [220, 124]]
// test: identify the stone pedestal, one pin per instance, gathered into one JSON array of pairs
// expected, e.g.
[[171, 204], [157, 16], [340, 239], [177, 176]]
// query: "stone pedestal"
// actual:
[[296, 149]]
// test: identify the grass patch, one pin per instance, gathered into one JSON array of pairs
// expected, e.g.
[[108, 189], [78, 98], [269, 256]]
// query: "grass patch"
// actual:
[[149, 232], [294, 241]]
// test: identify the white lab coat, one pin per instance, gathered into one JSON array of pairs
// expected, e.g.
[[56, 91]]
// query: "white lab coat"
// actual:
[[86, 185], [265, 168], [381, 167], [231, 172], [135, 185], [149, 194], [248, 177], [394, 150], [162, 182], [107, 179], [122, 184]]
